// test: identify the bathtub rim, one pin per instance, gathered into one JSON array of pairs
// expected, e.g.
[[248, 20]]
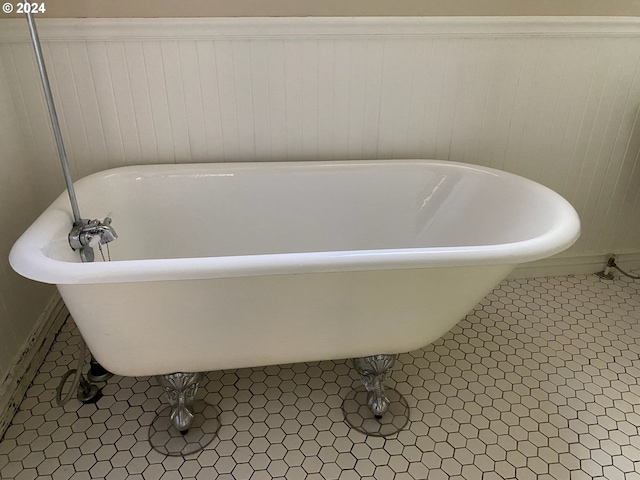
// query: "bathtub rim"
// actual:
[[40, 267]]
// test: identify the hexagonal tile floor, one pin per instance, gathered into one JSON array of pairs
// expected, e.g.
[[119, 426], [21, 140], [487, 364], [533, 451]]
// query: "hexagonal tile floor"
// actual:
[[541, 381]]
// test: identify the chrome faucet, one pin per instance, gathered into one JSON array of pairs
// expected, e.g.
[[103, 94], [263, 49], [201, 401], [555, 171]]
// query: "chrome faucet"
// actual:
[[89, 234]]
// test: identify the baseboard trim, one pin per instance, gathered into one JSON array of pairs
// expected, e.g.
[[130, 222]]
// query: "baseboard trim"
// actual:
[[581, 265], [15, 384]]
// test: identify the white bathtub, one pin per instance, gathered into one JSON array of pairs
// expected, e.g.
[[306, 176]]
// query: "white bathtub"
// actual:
[[236, 265]]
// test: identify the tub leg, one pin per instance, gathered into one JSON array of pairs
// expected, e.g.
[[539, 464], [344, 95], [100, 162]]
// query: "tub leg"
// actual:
[[186, 425], [371, 408], [181, 389], [373, 372]]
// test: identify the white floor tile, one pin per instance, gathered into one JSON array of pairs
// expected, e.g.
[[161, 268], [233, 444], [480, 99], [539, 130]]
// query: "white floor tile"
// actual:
[[541, 380]]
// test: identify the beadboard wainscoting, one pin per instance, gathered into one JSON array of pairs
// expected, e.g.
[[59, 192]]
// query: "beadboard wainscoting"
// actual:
[[553, 99]]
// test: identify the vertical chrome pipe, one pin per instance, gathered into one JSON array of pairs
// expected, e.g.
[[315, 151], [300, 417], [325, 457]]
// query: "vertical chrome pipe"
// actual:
[[77, 219]]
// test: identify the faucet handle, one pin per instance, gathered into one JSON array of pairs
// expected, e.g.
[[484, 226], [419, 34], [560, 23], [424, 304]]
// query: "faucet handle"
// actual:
[[94, 240]]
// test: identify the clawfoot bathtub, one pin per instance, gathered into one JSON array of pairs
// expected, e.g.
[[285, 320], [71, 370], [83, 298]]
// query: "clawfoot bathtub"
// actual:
[[223, 266]]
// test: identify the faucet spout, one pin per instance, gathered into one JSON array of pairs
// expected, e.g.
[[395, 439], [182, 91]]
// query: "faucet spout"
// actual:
[[105, 231]]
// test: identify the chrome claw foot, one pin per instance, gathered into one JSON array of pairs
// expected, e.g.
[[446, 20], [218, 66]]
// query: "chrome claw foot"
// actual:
[[370, 408], [186, 425], [373, 372], [181, 389]]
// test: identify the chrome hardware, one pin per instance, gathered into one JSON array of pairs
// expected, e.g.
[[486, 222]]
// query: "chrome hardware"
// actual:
[[373, 372], [181, 389], [85, 234], [89, 234]]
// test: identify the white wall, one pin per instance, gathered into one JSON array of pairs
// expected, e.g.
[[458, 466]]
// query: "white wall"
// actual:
[[23, 195], [555, 100]]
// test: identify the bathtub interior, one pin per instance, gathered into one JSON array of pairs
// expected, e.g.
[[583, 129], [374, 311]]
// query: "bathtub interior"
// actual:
[[218, 210]]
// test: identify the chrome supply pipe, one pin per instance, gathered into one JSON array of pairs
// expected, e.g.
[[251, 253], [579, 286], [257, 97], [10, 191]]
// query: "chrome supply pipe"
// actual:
[[77, 219], [85, 234]]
